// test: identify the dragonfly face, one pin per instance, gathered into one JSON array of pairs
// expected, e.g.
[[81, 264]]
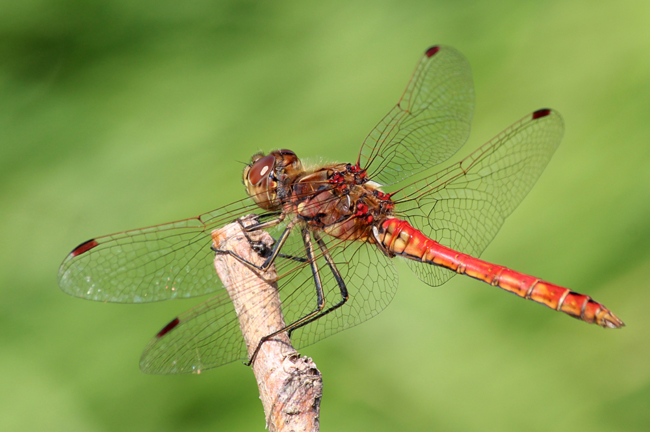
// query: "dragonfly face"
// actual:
[[266, 173]]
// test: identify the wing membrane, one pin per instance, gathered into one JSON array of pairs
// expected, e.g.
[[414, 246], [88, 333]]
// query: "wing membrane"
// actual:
[[428, 125]]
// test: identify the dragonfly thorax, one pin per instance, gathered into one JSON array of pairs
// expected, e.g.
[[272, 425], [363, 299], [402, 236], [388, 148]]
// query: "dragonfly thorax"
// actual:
[[340, 200]]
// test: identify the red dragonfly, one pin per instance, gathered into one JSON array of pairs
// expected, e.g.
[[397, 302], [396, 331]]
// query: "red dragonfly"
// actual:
[[338, 228]]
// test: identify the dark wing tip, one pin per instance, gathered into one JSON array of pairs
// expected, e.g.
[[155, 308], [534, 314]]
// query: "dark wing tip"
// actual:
[[84, 247], [168, 328], [541, 113], [431, 51]]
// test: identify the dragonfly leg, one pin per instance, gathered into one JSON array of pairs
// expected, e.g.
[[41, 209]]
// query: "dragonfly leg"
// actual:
[[339, 280], [294, 258], [320, 299], [262, 225], [271, 258]]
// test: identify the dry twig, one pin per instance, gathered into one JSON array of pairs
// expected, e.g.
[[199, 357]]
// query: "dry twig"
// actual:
[[290, 386]]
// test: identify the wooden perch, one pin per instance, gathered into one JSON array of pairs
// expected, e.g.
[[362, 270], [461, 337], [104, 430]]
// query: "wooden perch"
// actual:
[[290, 386]]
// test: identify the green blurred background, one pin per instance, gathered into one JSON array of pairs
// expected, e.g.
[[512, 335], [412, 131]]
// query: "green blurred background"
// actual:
[[117, 115]]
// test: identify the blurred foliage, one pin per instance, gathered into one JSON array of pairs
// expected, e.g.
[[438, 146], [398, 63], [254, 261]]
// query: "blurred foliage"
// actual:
[[122, 114]]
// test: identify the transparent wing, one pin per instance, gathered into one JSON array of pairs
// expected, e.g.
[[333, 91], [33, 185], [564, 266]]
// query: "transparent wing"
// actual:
[[464, 206], [204, 337], [428, 125], [208, 335], [161, 262]]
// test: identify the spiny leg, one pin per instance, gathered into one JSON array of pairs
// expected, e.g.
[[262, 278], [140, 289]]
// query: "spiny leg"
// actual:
[[320, 299], [294, 258], [262, 225], [339, 280]]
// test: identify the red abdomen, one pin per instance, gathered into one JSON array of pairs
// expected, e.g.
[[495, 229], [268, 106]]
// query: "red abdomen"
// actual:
[[400, 238]]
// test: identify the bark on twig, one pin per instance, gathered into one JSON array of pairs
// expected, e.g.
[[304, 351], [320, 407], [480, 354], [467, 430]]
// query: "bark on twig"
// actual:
[[290, 386]]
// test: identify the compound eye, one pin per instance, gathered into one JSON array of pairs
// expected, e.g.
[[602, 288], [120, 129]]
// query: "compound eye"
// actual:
[[261, 169]]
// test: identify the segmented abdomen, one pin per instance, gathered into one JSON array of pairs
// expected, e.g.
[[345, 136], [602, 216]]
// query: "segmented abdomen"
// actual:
[[400, 238]]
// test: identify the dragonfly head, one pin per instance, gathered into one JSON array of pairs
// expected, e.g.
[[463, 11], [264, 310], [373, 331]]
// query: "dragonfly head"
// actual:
[[263, 175]]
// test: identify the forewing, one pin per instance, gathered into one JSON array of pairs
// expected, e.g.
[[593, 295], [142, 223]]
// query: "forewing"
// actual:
[[428, 125], [464, 206], [161, 262]]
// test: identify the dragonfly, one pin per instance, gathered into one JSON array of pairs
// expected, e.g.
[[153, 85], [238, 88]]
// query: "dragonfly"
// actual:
[[339, 228]]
